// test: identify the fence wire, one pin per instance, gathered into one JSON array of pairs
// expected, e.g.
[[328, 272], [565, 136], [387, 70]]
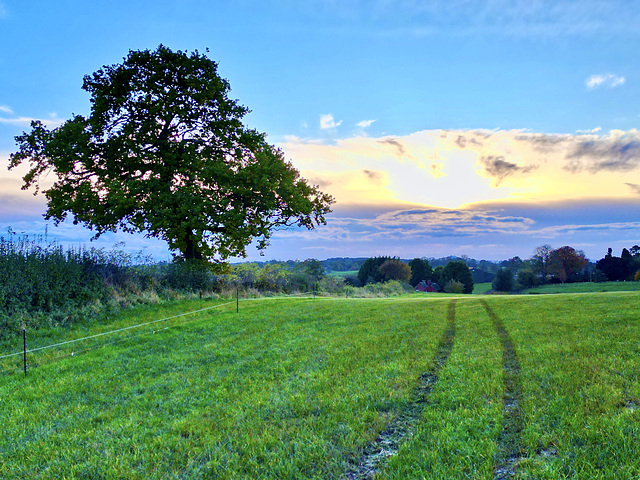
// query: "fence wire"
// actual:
[[306, 295], [103, 334]]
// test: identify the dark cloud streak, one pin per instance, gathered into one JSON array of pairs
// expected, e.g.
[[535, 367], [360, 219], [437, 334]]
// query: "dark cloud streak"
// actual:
[[499, 168], [401, 151], [373, 175], [606, 155]]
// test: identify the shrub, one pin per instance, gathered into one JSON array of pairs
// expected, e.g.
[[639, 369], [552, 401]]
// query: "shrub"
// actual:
[[503, 281], [459, 271], [386, 289], [454, 286], [599, 276], [394, 269], [353, 281], [526, 278]]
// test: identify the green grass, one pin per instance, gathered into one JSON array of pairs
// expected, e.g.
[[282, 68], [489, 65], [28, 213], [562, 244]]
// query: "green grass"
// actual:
[[297, 389], [287, 389], [480, 288], [581, 377], [347, 273], [586, 287]]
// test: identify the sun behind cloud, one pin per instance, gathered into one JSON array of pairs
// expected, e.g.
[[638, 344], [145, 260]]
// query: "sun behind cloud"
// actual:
[[456, 167]]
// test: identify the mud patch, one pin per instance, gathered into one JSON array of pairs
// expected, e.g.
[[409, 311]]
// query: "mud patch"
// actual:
[[402, 427], [545, 453], [630, 405], [509, 444]]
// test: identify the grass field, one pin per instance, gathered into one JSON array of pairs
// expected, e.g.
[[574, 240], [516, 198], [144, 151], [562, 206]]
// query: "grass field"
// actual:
[[586, 287], [479, 288], [345, 273], [487, 387]]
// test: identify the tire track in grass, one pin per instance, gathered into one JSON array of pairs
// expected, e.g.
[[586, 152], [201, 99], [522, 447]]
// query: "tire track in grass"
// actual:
[[509, 448], [402, 427]]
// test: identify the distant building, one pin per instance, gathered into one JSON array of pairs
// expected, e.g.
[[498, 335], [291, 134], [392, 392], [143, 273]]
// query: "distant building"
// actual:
[[427, 287]]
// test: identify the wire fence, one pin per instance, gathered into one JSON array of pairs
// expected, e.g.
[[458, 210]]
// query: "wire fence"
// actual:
[[82, 345], [12, 362]]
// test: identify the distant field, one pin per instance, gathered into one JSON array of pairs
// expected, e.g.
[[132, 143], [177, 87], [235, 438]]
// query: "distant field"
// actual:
[[586, 287], [480, 288], [536, 387], [347, 273]]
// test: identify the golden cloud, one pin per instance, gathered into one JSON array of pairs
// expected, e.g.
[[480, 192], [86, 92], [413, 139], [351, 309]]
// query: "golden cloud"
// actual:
[[450, 168]]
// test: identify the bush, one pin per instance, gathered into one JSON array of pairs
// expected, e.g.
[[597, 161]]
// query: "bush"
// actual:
[[352, 281], [189, 276], [503, 281], [386, 289], [526, 278], [394, 269], [458, 271], [454, 286]]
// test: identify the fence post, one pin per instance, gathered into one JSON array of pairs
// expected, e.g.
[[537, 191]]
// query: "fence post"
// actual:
[[24, 344], [237, 301]]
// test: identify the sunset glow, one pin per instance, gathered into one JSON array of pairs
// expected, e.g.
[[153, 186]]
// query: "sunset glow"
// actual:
[[440, 128]]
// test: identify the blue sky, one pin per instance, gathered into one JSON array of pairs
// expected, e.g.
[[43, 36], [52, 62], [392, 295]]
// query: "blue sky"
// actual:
[[442, 128]]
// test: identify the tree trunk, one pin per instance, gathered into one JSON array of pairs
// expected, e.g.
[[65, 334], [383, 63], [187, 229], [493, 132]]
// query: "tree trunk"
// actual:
[[192, 250]]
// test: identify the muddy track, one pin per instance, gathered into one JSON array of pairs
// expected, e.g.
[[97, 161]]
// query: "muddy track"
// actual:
[[402, 427], [509, 449]]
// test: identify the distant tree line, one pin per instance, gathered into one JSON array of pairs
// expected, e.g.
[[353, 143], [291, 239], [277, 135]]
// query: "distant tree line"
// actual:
[[44, 285], [625, 267], [547, 265], [566, 265], [454, 277]]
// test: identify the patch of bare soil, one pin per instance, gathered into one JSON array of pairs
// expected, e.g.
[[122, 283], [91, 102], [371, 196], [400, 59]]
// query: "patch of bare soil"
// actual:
[[402, 427]]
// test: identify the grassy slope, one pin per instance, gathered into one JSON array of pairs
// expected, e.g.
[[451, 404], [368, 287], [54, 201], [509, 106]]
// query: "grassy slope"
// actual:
[[280, 391], [345, 273], [295, 389], [479, 288], [581, 375], [586, 287]]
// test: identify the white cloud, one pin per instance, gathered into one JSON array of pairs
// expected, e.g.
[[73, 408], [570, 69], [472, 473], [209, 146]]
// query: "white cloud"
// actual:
[[608, 80], [5, 109], [502, 18], [364, 123], [450, 168], [51, 122], [590, 130], [328, 122]]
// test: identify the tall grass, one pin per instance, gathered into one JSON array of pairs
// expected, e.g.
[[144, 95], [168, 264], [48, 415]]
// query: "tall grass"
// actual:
[[44, 284]]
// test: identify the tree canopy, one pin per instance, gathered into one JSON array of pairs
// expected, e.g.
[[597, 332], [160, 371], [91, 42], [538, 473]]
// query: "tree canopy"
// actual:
[[420, 270], [394, 269], [503, 282], [566, 261], [164, 152], [369, 271], [458, 271], [623, 267]]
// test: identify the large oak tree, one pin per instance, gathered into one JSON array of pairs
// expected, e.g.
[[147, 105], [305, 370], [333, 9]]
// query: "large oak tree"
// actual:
[[164, 152]]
